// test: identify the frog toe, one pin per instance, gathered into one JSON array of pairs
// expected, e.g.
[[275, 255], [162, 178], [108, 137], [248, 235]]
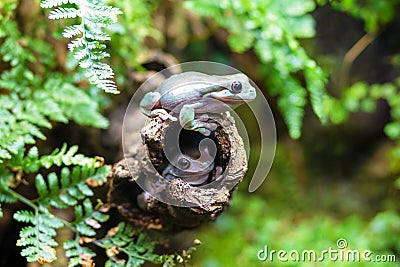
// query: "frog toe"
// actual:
[[163, 114]]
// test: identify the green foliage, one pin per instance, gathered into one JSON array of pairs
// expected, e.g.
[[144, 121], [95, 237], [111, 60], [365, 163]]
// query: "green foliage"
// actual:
[[37, 93], [362, 97], [87, 219], [38, 239], [88, 48], [74, 251], [375, 14], [137, 19], [32, 100], [282, 230], [56, 192], [272, 29], [135, 247]]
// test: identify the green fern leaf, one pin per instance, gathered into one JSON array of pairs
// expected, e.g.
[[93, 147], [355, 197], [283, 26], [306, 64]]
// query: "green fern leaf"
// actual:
[[81, 54], [24, 216], [291, 103], [86, 219], [316, 80], [53, 3], [38, 239], [63, 13], [94, 16], [139, 249], [72, 187], [78, 42], [41, 185], [74, 251], [72, 31], [66, 157]]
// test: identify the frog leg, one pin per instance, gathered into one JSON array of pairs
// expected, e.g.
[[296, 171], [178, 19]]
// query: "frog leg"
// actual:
[[149, 101], [188, 120], [218, 173], [167, 170]]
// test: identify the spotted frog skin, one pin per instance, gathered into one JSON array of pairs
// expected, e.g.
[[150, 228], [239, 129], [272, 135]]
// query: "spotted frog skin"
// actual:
[[191, 93]]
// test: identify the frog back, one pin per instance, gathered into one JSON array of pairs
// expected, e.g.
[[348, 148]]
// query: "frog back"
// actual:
[[182, 88]]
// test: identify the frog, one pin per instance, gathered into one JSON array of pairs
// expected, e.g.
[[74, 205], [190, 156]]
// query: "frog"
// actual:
[[190, 96], [191, 170]]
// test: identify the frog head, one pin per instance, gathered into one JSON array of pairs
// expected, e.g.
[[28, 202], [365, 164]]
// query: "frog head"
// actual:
[[234, 90]]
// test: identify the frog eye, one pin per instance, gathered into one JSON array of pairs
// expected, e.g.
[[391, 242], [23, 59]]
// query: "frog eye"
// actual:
[[236, 87], [183, 163]]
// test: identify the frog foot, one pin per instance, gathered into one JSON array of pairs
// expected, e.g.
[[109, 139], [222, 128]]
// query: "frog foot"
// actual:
[[218, 173], [163, 114], [202, 127]]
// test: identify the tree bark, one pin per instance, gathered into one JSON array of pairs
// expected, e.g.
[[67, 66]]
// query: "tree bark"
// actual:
[[145, 163]]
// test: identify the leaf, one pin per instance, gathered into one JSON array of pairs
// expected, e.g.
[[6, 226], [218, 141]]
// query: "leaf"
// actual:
[[63, 13], [38, 238], [392, 130], [316, 80], [52, 3], [74, 252], [24, 216], [41, 186], [302, 27], [72, 31], [95, 17]]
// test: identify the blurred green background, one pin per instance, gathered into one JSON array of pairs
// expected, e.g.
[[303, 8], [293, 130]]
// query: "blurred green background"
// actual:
[[330, 71]]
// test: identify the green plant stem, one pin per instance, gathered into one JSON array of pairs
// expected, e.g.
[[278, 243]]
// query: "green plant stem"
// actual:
[[24, 200], [36, 208]]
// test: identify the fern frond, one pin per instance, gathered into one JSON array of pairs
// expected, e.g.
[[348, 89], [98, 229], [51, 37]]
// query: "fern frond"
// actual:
[[78, 42], [70, 188], [292, 102], [24, 216], [6, 177], [275, 42], [98, 36], [38, 239], [22, 119], [76, 253], [63, 13], [95, 16], [315, 86], [54, 3], [72, 31], [139, 249], [81, 54], [87, 219], [66, 157], [31, 162]]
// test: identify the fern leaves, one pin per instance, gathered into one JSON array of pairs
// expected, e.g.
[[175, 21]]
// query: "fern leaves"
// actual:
[[69, 189], [78, 254], [137, 248], [272, 29], [88, 49], [62, 191], [38, 239]]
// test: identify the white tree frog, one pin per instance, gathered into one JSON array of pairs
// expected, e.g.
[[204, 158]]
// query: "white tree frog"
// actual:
[[193, 171], [192, 93]]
